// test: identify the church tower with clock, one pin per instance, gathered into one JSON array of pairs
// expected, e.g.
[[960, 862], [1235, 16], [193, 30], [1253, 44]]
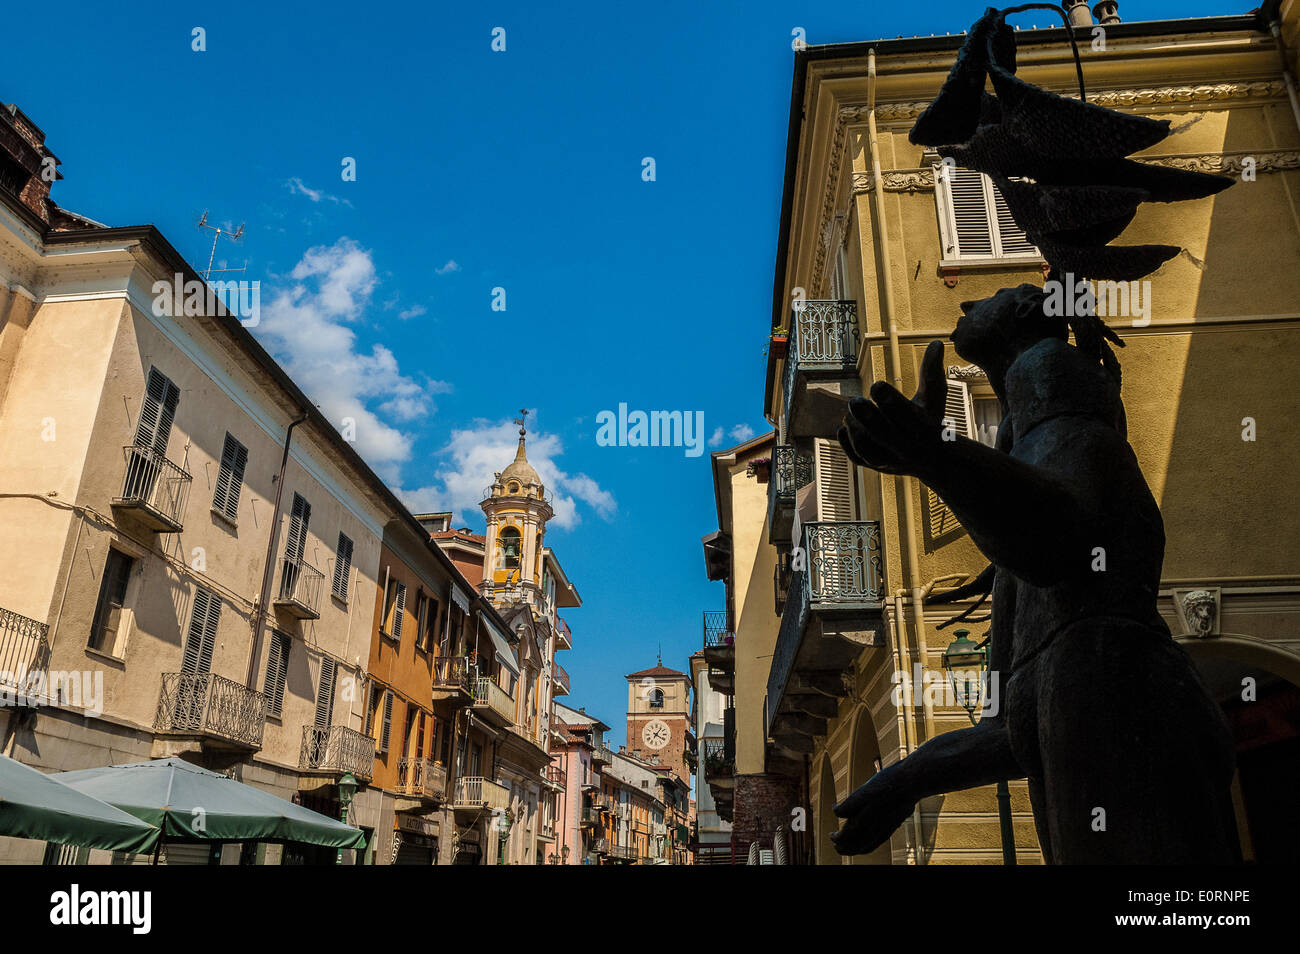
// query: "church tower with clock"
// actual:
[[658, 717]]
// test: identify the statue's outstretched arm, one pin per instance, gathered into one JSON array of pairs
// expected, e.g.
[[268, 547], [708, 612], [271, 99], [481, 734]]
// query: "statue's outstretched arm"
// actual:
[[965, 758]]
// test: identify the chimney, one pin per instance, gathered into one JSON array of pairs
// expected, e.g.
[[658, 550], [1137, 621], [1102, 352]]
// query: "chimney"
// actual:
[[1078, 11], [27, 168], [1106, 12]]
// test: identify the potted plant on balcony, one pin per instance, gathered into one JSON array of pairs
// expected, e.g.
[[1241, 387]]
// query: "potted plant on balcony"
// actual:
[[760, 467], [780, 341]]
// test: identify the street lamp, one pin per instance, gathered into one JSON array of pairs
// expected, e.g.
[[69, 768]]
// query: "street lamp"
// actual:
[[967, 663], [347, 789]]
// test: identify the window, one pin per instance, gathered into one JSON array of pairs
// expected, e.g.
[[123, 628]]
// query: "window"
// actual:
[[277, 671], [342, 566], [230, 478], [157, 412], [202, 637], [299, 520], [108, 632], [325, 694], [511, 548], [426, 616], [657, 699], [394, 609], [974, 221]]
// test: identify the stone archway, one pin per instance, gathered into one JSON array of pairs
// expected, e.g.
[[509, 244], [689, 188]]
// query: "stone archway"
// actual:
[[1258, 685], [825, 815], [864, 762]]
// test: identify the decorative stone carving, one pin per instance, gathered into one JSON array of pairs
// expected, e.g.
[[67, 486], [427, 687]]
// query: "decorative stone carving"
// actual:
[[1198, 611]]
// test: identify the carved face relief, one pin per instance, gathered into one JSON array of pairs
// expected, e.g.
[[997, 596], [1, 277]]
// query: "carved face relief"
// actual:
[[1200, 610]]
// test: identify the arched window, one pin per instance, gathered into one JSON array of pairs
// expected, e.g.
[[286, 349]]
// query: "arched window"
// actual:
[[511, 547], [657, 699]]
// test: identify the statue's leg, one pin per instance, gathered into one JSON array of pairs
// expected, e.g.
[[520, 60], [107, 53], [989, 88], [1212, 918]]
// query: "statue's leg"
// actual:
[[1038, 799], [1136, 760]]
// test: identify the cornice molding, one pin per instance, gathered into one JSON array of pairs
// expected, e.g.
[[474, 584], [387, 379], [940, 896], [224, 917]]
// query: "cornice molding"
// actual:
[[914, 180]]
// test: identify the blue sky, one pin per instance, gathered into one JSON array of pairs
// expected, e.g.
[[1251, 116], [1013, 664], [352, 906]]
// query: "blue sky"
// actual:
[[478, 170]]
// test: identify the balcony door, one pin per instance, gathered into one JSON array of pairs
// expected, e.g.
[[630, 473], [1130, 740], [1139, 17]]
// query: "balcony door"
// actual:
[[834, 551], [295, 546], [153, 432], [196, 664]]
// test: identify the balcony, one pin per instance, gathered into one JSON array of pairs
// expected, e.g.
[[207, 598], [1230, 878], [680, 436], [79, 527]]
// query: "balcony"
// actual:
[[555, 777], [475, 793], [599, 844], [216, 710], [791, 470], [423, 779], [591, 817], [621, 853], [719, 763], [560, 681], [24, 648], [451, 680], [781, 575], [832, 613], [301, 585], [154, 490], [723, 681], [821, 367], [336, 750], [602, 754], [563, 635], [719, 641], [493, 703]]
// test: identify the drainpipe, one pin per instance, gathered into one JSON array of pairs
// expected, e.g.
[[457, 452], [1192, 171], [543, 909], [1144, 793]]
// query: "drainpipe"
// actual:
[[259, 613], [895, 365], [1287, 76]]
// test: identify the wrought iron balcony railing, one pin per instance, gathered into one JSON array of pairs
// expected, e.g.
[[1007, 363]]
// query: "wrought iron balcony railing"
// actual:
[[716, 630], [556, 776], [154, 489], [335, 750], [621, 852], [24, 648], [823, 343], [603, 754], [421, 778], [719, 762], [208, 705], [493, 701], [561, 680], [844, 562], [564, 635], [451, 672], [791, 470], [474, 791], [301, 585]]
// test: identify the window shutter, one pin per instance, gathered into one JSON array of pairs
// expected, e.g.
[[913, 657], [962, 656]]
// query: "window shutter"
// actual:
[[957, 409], [399, 610], [386, 728], [970, 220], [342, 567], [202, 637], [157, 412], [325, 694], [1011, 237], [834, 482], [298, 524], [277, 671], [230, 477]]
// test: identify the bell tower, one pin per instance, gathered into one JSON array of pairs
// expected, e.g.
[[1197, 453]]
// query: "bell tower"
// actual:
[[658, 717], [517, 508]]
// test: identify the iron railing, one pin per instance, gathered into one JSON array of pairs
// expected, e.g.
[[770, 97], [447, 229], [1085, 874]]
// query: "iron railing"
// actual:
[[790, 471], [301, 585], [603, 754], [564, 633], [716, 630], [487, 694], [474, 791], [561, 680], [823, 337], [423, 778], [155, 485], [719, 762], [451, 672], [207, 704], [337, 749], [24, 648], [622, 852], [844, 562], [556, 775]]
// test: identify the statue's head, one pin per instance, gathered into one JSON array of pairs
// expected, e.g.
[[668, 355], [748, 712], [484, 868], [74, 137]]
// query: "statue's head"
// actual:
[[992, 332]]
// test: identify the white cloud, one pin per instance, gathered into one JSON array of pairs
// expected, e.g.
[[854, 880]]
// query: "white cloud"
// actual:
[[451, 266], [742, 433], [298, 187], [476, 454], [306, 326], [716, 437], [415, 311]]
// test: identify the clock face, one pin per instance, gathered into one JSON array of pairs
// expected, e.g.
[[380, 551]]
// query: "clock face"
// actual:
[[656, 734]]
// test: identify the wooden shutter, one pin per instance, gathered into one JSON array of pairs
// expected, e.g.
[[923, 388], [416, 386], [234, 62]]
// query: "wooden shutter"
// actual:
[[386, 727], [157, 412], [834, 482], [202, 638], [230, 477], [325, 694], [399, 610], [277, 671], [298, 524], [958, 410], [342, 566], [971, 235], [1010, 237]]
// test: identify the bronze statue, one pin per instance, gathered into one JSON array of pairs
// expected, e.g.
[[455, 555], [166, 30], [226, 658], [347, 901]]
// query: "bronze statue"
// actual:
[[1129, 760]]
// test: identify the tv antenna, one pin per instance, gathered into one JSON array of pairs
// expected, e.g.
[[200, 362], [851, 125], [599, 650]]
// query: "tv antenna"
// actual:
[[217, 232]]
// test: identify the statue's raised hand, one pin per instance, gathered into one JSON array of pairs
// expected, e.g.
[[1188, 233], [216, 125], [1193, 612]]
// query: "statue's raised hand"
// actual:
[[873, 813], [893, 435]]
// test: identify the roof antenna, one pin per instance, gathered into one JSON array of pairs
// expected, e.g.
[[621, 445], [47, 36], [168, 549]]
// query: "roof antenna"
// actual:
[[234, 236]]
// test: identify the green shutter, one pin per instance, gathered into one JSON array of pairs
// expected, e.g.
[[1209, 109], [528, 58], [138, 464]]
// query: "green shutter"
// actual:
[[202, 637], [325, 694], [230, 478]]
